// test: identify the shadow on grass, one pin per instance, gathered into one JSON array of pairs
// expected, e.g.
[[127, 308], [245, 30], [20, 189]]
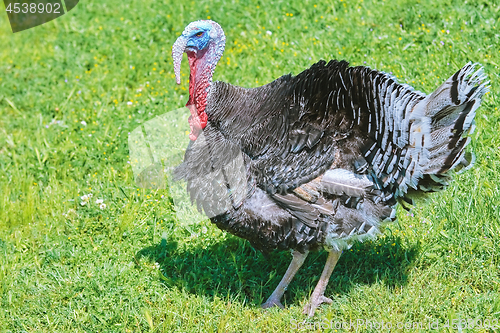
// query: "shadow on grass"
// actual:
[[233, 268]]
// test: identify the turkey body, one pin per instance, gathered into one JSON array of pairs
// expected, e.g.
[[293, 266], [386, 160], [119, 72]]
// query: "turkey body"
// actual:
[[326, 154], [317, 160]]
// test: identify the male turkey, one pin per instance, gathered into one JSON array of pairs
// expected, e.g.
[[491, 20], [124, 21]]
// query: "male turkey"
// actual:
[[320, 159]]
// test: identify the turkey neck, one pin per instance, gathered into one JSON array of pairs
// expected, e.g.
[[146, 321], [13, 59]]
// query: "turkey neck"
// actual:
[[202, 65]]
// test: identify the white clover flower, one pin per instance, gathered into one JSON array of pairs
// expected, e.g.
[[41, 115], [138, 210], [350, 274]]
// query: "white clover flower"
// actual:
[[99, 201], [269, 32], [102, 206], [83, 122], [85, 199], [129, 103]]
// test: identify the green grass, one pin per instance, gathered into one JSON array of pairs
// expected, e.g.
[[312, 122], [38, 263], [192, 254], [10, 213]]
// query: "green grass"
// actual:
[[133, 266]]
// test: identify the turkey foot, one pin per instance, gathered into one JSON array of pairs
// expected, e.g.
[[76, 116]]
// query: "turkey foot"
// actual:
[[272, 302], [274, 299], [314, 303], [318, 296]]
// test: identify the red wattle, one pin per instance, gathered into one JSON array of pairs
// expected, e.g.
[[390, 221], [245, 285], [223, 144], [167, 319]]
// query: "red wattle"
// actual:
[[198, 87]]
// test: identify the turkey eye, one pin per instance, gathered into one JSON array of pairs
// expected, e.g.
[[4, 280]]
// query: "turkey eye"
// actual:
[[199, 34]]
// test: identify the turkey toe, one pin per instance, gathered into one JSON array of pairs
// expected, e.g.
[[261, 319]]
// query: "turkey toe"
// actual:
[[314, 303], [271, 303]]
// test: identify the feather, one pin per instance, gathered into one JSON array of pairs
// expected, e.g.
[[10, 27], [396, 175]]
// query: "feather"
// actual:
[[340, 181]]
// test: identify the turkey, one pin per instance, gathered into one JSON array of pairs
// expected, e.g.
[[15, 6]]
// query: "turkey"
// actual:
[[318, 160]]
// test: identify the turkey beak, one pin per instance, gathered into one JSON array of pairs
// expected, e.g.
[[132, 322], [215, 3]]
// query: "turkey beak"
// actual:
[[177, 52]]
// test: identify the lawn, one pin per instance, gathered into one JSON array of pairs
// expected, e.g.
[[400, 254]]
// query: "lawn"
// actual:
[[73, 89]]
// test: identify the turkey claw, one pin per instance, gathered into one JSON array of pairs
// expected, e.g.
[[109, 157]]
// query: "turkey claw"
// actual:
[[314, 303], [272, 303]]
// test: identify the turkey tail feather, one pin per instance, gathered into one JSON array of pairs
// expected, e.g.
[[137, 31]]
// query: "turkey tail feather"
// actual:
[[451, 109], [415, 140]]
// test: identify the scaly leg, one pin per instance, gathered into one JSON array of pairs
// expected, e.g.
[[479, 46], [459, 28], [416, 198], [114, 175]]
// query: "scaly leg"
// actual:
[[275, 298], [318, 295]]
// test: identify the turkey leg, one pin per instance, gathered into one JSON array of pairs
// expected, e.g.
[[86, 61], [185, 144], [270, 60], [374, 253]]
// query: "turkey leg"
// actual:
[[318, 295], [275, 298]]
